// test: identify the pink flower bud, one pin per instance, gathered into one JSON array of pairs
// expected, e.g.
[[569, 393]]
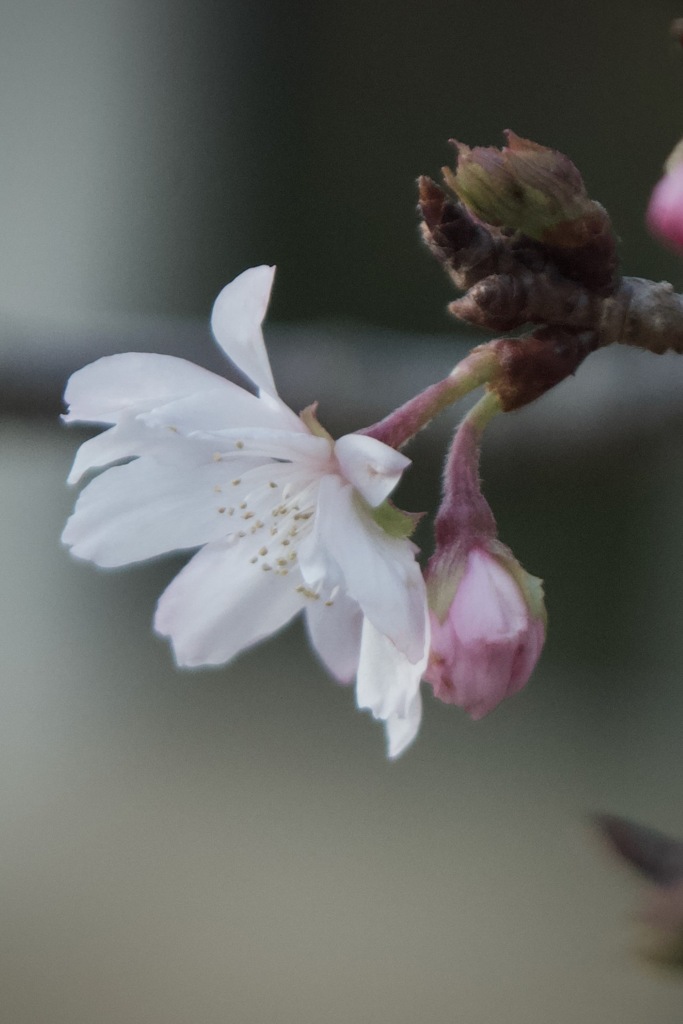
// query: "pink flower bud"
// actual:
[[487, 614], [665, 211], [486, 645]]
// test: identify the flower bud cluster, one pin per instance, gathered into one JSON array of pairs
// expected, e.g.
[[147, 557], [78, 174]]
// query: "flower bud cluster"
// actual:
[[523, 238]]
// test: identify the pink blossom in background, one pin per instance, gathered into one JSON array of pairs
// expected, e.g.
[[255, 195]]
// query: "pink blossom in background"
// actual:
[[665, 210]]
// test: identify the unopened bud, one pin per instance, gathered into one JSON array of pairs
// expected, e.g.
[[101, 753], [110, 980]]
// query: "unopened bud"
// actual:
[[486, 643], [487, 614], [523, 186], [536, 191]]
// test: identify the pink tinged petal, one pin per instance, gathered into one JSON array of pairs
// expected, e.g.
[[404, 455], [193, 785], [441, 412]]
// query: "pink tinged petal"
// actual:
[[236, 320], [665, 211], [226, 407], [372, 467], [133, 512], [334, 627], [388, 685], [376, 570], [528, 653], [104, 390], [222, 603], [488, 604]]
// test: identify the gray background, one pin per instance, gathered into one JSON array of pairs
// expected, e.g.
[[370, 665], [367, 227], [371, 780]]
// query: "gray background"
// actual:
[[230, 845]]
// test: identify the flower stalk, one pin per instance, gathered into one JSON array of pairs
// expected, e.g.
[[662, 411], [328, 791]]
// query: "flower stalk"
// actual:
[[396, 429]]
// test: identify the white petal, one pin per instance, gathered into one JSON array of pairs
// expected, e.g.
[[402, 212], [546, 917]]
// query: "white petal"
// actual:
[[335, 632], [308, 451], [387, 682], [236, 320], [220, 604], [388, 685], [372, 467], [378, 571], [100, 392], [401, 732], [224, 408], [133, 512], [118, 442], [130, 438]]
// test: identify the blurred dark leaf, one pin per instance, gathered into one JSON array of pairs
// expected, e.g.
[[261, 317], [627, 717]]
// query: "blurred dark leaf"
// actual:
[[654, 854]]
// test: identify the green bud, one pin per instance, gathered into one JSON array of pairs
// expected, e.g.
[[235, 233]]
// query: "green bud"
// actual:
[[527, 188]]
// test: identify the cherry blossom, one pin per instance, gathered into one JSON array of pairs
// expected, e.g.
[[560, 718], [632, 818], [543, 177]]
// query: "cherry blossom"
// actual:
[[285, 518]]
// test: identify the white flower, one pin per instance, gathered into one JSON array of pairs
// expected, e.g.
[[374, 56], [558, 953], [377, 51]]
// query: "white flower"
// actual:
[[282, 514]]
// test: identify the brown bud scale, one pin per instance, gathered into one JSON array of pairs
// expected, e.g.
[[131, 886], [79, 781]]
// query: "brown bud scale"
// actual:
[[534, 364]]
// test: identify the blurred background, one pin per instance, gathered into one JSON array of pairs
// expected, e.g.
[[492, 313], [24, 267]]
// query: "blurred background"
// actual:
[[231, 845]]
